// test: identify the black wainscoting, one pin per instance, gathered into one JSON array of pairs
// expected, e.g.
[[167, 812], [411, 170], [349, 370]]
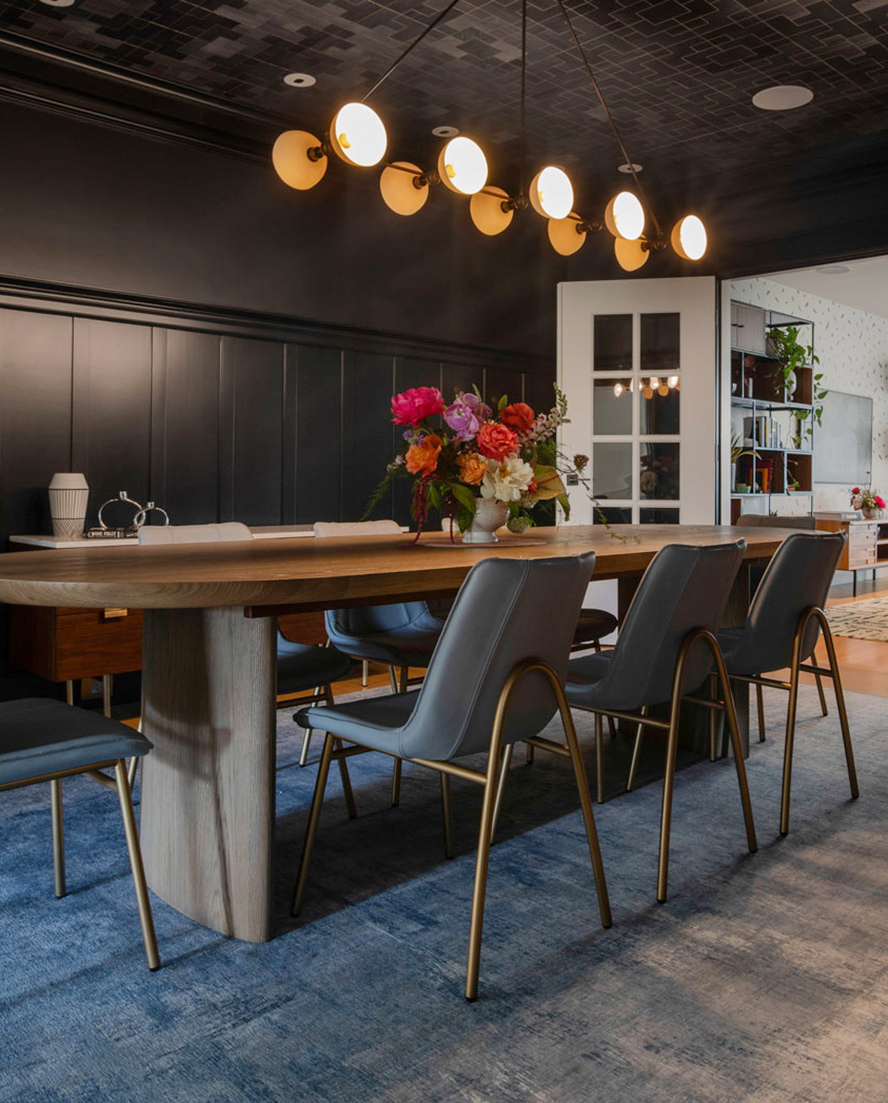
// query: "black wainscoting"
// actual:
[[215, 417]]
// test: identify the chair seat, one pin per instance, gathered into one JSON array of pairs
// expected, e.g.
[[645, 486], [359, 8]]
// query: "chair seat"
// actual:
[[409, 646], [593, 625], [40, 736], [373, 721], [302, 666]]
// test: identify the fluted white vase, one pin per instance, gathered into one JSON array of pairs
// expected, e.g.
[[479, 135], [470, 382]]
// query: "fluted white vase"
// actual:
[[489, 516], [68, 498]]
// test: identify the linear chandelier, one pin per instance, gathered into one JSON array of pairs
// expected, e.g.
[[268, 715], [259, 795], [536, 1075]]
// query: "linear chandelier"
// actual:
[[358, 137]]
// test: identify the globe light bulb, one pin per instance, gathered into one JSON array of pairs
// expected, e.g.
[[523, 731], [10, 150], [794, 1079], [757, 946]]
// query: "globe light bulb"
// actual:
[[462, 166], [689, 237], [551, 193], [358, 135], [624, 216]]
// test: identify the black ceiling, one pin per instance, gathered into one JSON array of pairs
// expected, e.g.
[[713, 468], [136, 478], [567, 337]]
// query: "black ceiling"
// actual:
[[678, 75]]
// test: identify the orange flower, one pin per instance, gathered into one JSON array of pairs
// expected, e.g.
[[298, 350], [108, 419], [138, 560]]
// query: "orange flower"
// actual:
[[422, 458], [472, 467], [496, 441], [518, 416]]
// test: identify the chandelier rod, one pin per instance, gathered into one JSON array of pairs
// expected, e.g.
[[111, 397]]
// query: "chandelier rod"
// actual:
[[522, 180], [434, 23], [609, 116]]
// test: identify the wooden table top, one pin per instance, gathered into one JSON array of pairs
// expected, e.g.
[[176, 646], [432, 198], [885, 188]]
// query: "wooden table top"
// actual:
[[325, 573]]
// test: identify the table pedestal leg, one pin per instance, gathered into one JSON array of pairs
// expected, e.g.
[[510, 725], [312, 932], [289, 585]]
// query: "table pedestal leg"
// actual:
[[207, 809]]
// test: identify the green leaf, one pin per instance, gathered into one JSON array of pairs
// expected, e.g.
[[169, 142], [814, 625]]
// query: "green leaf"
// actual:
[[464, 496], [502, 404], [549, 484]]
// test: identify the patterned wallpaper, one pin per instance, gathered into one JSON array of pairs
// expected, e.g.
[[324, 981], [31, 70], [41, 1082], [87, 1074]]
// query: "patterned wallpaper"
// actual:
[[853, 351]]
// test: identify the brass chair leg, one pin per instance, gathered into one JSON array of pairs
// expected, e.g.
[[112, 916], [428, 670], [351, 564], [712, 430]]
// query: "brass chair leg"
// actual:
[[69, 692], [396, 783], [713, 723], [668, 784], [312, 828], [579, 770], [824, 711], [612, 727], [840, 704], [636, 752], [531, 750], [393, 678], [790, 736], [760, 704], [734, 730], [365, 672], [599, 761], [58, 836], [485, 832], [501, 785], [445, 812], [131, 771], [135, 857], [306, 744]]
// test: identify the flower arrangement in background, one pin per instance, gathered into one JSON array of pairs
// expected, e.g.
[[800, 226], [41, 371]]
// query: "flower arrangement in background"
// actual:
[[469, 450], [866, 500]]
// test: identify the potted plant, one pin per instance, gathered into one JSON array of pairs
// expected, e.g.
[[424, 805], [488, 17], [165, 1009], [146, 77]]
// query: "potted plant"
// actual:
[[867, 501], [784, 345]]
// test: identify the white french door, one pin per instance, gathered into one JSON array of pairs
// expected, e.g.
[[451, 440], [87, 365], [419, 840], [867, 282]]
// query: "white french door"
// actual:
[[637, 360]]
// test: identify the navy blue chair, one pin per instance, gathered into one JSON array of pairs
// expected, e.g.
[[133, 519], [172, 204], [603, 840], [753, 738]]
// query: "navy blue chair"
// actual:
[[665, 652], [495, 678], [45, 741], [401, 635], [783, 626]]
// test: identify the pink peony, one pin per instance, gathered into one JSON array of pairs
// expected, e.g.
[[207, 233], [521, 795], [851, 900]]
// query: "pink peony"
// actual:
[[412, 406]]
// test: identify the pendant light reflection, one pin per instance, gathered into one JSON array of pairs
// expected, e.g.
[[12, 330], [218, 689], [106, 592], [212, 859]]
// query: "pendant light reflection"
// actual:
[[566, 235], [672, 382], [400, 187], [293, 163], [551, 193], [462, 166], [630, 254], [624, 216], [618, 389], [689, 237], [358, 135], [486, 211]]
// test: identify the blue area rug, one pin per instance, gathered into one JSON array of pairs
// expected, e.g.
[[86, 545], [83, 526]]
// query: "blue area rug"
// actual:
[[763, 978]]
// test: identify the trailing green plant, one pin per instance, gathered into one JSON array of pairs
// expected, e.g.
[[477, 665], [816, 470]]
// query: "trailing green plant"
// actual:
[[737, 449], [792, 355]]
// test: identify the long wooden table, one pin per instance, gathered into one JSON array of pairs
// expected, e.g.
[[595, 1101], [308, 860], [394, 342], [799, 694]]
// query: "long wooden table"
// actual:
[[207, 813]]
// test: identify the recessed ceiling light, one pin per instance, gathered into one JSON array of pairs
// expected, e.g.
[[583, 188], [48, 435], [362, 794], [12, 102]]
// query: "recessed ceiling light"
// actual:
[[58, 3], [834, 269], [445, 131], [627, 168], [297, 80], [782, 97]]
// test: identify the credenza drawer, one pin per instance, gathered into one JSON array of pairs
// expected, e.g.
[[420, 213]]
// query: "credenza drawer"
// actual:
[[66, 644]]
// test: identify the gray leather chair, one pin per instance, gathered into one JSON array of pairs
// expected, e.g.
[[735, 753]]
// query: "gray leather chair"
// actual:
[[666, 649], [782, 629], [496, 677], [399, 635], [43, 740]]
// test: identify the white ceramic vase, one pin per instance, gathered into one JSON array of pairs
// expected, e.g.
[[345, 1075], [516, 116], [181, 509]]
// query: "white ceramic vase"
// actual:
[[68, 497], [489, 516]]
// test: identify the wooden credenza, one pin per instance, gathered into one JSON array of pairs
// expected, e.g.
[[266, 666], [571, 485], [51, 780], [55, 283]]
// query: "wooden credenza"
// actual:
[[866, 539]]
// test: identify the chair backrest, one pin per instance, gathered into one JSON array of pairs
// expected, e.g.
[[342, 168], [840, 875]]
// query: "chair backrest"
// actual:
[[194, 534], [368, 619], [762, 520], [356, 528], [684, 587], [507, 611], [799, 575]]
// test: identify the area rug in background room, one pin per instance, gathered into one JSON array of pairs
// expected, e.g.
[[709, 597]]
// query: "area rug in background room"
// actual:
[[764, 977], [864, 620]]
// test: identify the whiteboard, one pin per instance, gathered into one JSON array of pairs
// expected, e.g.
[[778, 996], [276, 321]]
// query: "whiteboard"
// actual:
[[843, 446]]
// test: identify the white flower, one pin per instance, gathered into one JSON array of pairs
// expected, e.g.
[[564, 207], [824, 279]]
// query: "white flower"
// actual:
[[508, 480]]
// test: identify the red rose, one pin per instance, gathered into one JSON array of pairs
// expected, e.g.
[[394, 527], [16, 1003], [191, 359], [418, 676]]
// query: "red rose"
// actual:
[[518, 416], [496, 441], [855, 490]]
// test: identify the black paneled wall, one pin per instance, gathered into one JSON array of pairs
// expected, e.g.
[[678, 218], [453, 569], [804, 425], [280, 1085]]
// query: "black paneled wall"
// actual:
[[215, 425]]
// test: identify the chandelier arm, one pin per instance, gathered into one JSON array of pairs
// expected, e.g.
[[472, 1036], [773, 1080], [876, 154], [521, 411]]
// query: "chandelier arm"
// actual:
[[522, 179], [434, 23], [609, 116]]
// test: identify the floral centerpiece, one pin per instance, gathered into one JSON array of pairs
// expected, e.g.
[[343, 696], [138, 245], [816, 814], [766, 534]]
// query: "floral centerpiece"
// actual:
[[478, 465], [867, 500]]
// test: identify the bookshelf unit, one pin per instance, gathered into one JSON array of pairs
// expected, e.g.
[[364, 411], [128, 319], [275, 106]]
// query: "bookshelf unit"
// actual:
[[765, 417]]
